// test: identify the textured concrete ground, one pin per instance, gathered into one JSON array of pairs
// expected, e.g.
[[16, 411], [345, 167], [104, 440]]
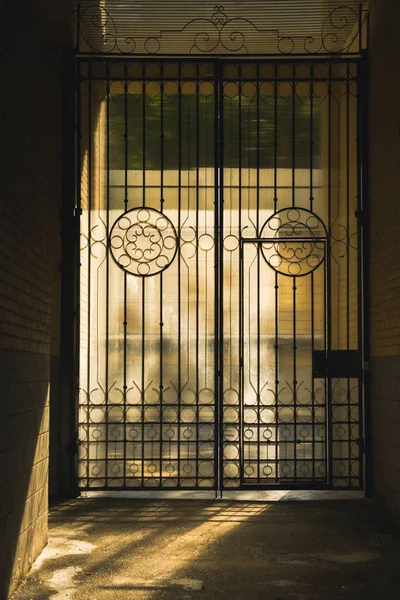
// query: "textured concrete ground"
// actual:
[[126, 549]]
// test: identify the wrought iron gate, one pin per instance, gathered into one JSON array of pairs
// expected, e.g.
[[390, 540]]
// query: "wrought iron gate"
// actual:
[[220, 281]]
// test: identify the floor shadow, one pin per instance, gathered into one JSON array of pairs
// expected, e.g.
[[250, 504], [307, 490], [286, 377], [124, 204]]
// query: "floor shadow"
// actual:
[[175, 550]]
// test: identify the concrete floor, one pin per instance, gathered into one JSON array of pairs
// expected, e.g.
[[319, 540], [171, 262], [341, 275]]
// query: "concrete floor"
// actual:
[[111, 549]]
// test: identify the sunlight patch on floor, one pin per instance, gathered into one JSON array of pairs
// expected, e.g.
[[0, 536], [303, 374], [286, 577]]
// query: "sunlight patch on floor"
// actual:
[[177, 550]]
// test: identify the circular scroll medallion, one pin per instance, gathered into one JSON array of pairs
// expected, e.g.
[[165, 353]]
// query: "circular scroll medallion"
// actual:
[[143, 241], [295, 241]]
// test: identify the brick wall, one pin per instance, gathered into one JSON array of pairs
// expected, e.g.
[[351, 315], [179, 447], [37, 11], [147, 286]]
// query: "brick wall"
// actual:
[[34, 38], [384, 156]]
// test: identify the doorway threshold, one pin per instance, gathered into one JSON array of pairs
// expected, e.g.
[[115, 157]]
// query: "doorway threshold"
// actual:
[[237, 495]]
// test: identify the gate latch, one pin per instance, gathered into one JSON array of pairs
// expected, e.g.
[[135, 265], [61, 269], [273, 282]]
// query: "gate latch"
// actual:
[[336, 363]]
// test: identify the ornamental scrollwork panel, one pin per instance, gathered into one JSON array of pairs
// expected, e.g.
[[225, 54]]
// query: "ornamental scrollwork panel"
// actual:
[[103, 30]]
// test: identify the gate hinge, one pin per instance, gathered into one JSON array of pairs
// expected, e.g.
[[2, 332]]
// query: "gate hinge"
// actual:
[[361, 215], [361, 445], [72, 448]]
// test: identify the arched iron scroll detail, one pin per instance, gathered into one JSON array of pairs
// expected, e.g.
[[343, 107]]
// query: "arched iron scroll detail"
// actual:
[[295, 241], [143, 241], [105, 38], [219, 33]]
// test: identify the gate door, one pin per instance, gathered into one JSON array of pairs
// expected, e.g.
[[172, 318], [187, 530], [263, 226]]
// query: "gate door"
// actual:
[[218, 312], [148, 300]]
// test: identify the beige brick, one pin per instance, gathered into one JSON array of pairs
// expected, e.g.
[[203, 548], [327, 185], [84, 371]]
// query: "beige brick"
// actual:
[[29, 262]]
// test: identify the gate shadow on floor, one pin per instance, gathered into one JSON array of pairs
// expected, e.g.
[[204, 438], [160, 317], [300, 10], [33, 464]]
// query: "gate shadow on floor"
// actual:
[[171, 550]]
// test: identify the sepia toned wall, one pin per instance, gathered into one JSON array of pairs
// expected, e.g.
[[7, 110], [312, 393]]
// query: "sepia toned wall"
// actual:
[[31, 109], [384, 191]]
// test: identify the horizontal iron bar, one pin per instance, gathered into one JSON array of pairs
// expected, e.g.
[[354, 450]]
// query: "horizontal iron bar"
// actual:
[[254, 58], [201, 78], [282, 239], [293, 486]]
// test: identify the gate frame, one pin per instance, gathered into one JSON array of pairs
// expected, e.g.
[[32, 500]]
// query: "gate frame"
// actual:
[[70, 217]]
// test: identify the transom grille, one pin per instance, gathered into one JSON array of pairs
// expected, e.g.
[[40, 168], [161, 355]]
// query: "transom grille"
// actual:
[[256, 27]]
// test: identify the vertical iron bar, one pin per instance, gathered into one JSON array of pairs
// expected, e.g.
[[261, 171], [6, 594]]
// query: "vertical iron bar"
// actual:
[[179, 267], [294, 378], [312, 274], [363, 244], [241, 283], [277, 449], [70, 276], [188, 295], [328, 340], [348, 259], [241, 334], [89, 295], [276, 287], [327, 310], [275, 136], [217, 100], [78, 27], [311, 136], [258, 267], [66, 216], [293, 136], [161, 274], [125, 317], [313, 443], [220, 266], [217, 484], [197, 270], [328, 382], [143, 278], [206, 224], [294, 280], [107, 259]]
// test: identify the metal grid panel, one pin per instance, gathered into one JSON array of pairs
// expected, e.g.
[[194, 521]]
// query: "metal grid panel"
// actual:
[[147, 365], [290, 160], [219, 263]]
